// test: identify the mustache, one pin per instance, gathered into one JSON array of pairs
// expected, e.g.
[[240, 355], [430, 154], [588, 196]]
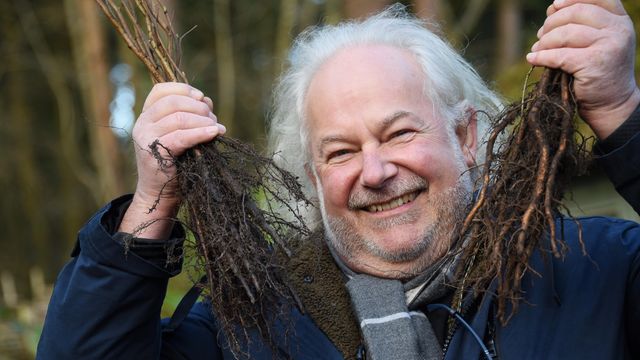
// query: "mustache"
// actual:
[[364, 197]]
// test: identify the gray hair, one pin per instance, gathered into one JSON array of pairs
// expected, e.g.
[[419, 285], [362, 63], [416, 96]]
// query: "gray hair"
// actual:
[[452, 85]]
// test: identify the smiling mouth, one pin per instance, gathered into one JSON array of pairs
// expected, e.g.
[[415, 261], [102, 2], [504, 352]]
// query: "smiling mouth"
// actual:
[[394, 203]]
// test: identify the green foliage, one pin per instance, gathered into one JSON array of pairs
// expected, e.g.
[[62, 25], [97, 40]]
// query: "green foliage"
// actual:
[[178, 287]]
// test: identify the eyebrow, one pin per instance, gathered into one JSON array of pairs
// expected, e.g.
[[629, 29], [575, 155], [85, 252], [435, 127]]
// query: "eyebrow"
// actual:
[[389, 120], [384, 125], [328, 140]]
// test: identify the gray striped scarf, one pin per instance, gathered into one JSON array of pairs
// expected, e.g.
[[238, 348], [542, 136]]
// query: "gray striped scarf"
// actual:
[[391, 323]]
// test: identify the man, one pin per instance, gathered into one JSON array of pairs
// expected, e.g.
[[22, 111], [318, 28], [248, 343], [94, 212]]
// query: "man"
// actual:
[[380, 118]]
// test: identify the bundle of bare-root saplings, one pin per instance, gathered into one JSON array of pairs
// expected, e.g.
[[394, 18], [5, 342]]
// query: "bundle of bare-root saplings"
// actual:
[[521, 190], [221, 182]]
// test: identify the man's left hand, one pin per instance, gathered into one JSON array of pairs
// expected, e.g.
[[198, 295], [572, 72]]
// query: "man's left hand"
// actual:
[[593, 40]]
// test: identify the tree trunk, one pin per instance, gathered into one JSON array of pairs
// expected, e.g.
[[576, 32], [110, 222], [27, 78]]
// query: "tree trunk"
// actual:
[[468, 21], [433, 10], [92, 68], [308, 14], [286, 21], [509, 34], [24, 199], [357, 9], [70, 169], [225, 60]]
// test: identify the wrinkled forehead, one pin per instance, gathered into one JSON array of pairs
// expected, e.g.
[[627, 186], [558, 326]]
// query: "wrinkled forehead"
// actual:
[[375, 72]]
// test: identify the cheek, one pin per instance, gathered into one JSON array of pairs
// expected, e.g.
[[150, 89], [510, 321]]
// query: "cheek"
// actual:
[[433, 163], [337, 183]]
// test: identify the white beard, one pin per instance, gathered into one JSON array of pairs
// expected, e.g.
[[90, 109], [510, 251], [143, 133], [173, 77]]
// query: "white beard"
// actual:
[[450, 207]]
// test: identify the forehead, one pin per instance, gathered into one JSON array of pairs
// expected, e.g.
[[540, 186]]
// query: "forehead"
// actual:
[[365, 82], [363, 66]]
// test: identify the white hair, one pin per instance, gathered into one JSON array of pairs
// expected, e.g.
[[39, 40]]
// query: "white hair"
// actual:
[[451, 83]]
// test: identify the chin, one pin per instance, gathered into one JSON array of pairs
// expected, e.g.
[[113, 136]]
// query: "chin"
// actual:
[[397, 250]]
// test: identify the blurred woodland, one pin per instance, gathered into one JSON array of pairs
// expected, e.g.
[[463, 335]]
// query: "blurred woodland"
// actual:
[[70, 90]]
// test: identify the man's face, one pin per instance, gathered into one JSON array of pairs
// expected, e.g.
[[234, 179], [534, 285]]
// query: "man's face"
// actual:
[[390, 178]]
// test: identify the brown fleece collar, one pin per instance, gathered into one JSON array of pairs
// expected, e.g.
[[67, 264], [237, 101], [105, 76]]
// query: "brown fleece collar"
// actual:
[[319, 284]]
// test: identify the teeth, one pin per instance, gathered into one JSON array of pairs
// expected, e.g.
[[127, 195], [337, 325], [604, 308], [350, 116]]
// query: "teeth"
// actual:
[[393, 203]]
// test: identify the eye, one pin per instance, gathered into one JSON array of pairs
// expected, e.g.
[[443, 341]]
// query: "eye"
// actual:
[[338, 155], [402, 133]]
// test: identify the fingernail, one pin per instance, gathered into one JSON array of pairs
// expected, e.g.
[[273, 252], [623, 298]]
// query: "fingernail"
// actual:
[[222, 128], [539, 33], [534, 47], [208, 101], [197, 94], [558, 2], [531, 56]]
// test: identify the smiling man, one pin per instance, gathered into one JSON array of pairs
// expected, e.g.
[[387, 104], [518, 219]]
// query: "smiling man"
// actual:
[[383, 122]]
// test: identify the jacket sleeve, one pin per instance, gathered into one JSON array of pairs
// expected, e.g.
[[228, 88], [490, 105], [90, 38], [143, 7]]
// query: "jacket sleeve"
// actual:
[[633, 308], [619, 157], [106, 301], [621, 163]]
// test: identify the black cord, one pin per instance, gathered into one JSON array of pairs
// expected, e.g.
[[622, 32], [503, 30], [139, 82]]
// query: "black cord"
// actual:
[[461, 320]]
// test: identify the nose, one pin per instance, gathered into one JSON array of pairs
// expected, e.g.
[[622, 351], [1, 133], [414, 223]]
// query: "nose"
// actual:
[[376, 169]]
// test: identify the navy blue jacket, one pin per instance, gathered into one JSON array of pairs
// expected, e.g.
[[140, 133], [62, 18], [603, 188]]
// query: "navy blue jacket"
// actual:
[[106, 303]]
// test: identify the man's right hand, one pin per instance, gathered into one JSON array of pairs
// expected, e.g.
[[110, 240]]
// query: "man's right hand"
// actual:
[[178, 117]]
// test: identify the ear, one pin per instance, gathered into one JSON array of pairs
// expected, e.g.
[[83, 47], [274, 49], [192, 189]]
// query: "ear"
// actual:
[[311, 175], [467, 134]]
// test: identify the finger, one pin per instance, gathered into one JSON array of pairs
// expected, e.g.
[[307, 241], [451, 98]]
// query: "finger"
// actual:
[[568, 36], [181, 140], [566, 59], [170, 104], [550, 11], [182, 121], [584, 14], [613, 6], [209, 102], [161, 90]]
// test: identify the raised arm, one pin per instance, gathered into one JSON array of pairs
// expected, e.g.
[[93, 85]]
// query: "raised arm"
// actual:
[[106, 302], [595, 41]]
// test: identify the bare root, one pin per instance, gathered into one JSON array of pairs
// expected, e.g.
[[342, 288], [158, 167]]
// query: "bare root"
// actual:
[[521, 189]]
